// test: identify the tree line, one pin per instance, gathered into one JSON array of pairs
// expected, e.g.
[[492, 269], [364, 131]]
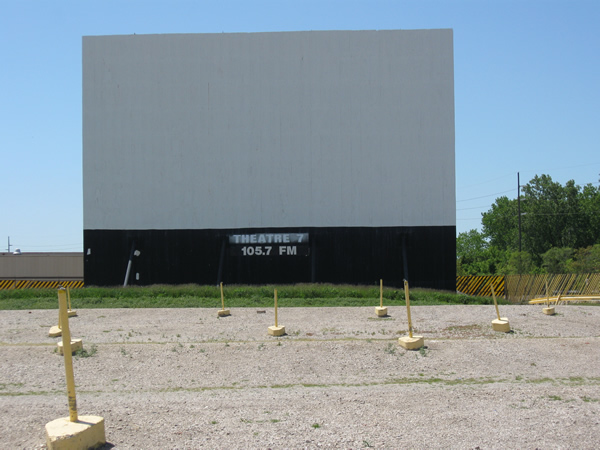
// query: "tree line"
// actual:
[[551, 228]]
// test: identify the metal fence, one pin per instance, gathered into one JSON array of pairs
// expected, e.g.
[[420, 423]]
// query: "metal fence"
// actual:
[[40, 284], [522, 288], [481, 285]]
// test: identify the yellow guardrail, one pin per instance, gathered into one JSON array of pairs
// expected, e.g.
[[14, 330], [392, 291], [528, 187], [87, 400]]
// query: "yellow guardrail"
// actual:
[[481, 285], [40, 284], [523, 288]]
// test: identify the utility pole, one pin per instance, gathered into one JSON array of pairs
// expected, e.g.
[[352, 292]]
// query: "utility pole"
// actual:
[[519, 206], [8, 249]]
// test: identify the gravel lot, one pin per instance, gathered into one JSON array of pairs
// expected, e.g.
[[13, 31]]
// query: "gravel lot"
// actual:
[[183, 378]]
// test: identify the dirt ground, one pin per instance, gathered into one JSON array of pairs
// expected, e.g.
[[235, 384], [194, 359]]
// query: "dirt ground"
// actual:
[[183, 378]]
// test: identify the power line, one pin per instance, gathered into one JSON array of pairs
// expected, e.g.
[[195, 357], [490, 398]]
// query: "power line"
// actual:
[[484, 196], [474, 207]]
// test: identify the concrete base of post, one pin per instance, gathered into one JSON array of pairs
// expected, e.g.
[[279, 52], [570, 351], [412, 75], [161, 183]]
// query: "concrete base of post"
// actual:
[[501, 325], [276, 331], [76, 344], [55, 331], [87, 432], [411, 343], [549, 310], [223, 313], [381, 311]]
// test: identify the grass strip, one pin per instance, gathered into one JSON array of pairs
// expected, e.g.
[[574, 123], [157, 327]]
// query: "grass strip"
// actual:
[[238, 296]]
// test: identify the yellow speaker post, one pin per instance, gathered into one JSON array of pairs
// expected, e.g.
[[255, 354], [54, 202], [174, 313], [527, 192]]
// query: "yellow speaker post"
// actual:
[[276, 330], [380, 310], [223, 312], [410, 342]]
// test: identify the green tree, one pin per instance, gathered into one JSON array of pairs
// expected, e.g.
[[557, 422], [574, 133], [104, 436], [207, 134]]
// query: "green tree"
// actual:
[[471, 249], [590, 205], [553, 218], [500, 224], [475, 256], [517, 263], [557, 259], [585, 260]]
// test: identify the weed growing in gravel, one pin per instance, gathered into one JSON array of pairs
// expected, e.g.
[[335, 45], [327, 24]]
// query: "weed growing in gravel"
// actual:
[[3, 386], [390, 349], [423, 351], [333, 330], [540, 380], [587, 399], [316, 425], [123, 351], [261, 346], [366, 444], [555, 397], [83, 353]]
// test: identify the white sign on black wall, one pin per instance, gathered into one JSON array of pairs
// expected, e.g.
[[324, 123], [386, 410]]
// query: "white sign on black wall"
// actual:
[[269, 244]]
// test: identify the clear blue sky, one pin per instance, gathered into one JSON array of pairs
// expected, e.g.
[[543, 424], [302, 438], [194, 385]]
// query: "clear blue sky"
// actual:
[[527, 91]]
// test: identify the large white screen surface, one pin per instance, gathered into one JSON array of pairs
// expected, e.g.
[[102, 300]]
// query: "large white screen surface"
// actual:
[[291, 129]]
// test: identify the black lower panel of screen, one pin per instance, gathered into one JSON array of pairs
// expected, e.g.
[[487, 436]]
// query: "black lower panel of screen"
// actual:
[[425, 256]]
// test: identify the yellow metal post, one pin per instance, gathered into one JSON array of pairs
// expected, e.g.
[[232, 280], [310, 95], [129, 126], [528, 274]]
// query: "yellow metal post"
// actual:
[[222, 298], [548, 310], [501, 323], [276, 330], [56, 331], [66, 339], [495, 302], [406, 294], [70, 311], [381, 311], [410, 342], [223, 312], [69, 432], [276, 307]]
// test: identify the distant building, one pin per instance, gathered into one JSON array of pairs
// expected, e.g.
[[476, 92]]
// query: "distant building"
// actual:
[[41, 266], [317, 156]]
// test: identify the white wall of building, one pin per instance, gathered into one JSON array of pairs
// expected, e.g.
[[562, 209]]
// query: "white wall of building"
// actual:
[[293, 129]]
